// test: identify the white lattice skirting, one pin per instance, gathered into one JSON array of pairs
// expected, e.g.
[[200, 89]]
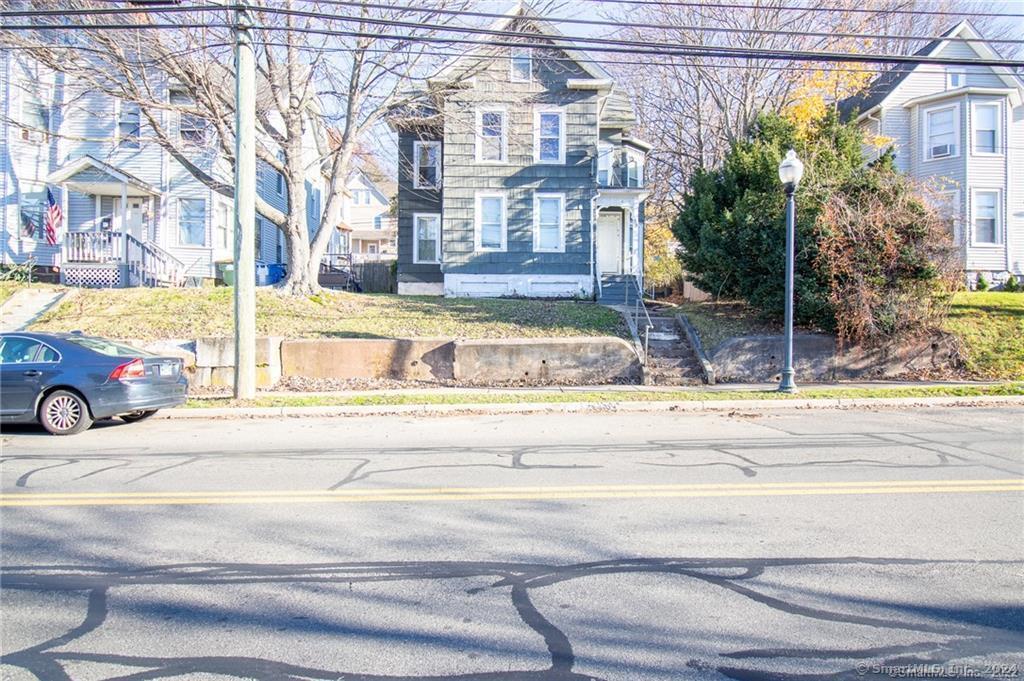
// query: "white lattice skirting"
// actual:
[[91, 277]]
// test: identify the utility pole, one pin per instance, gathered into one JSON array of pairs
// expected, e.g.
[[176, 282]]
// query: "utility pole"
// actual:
[[245, 207]]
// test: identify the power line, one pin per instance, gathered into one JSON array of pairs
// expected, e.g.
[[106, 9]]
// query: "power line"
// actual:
[[493, 15], [601, 44], [853, 10], [716, 50]]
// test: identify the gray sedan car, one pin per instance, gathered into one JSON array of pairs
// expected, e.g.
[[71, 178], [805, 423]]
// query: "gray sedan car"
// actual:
[[67, 381]]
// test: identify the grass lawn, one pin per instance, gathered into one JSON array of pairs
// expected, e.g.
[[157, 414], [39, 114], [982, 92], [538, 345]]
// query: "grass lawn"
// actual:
[[991, 326], [8, 289], [152, 314], [598, 396], [718, 321]]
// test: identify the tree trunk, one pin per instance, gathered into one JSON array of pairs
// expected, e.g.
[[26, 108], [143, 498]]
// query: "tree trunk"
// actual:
[[302, 274]]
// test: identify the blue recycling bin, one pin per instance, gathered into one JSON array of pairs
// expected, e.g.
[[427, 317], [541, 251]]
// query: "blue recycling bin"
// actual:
[[275, 273]]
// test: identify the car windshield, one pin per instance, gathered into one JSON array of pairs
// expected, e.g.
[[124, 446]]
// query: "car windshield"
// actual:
[[105, 347]]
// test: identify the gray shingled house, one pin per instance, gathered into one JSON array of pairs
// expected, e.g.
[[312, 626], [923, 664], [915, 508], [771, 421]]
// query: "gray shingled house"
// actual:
[[519, 175]]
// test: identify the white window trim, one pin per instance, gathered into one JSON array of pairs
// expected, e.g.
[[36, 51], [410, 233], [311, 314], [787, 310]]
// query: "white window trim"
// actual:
[[605, 150], [957, 133], [504, 134], [477, 227], [279, 183], [999, 127], [949, 78], [206, 219], [537, 196], [511, 64], [1000, 237], [417, 150], [560, 112], [416, 241], [640, 158], [951, 199], [118, 110], [34, 134]]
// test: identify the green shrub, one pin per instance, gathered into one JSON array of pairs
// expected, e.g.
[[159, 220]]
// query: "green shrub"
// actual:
[[1012, 285], [873, 261], [981, 284]]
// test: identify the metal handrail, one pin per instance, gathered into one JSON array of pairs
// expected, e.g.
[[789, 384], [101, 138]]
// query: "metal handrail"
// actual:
[[634, 314]]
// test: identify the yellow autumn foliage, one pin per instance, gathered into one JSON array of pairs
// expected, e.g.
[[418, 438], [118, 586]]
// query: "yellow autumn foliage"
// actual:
[[819, 90]]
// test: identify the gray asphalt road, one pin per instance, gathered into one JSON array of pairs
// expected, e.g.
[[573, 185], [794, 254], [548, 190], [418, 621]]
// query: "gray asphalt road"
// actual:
[[803, 544]]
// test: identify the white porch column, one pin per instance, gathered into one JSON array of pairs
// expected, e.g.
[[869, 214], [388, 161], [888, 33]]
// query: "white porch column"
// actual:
[[65, 228], [123, 227]]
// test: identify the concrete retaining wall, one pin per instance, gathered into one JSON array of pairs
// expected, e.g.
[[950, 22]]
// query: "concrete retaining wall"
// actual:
[[603, 359], [215, 361], [420, 359], [816, 357]]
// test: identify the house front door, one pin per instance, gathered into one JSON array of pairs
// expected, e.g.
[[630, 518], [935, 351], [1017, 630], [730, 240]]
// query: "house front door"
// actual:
[[134, 222], [609, 243]]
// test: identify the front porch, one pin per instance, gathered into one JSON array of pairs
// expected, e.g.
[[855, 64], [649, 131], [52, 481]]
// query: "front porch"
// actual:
[[618, 244], [113, 244]]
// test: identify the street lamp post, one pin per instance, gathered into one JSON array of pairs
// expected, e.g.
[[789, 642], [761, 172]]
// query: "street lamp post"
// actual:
[[790, 172]]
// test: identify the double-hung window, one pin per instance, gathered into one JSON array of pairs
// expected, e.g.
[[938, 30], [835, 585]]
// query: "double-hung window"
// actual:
[[426, 161], [605, 153], [987, 227], [522, 64], [278, 177], [491, 222], [491, 136], [986, 127], [35, 117], [549, 223], [192, 222], [549, 136], [128, 125], [426, 247], [191, 127], [942, 130]]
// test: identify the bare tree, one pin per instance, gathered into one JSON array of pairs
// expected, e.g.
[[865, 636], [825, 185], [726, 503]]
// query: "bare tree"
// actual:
[[693, 108], [315, 75]]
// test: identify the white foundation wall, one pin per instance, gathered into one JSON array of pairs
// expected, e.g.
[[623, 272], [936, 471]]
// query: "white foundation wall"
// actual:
[[416, 288], [523, 285]]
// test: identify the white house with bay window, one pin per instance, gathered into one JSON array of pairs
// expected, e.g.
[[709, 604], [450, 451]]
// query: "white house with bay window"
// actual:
[[133, 214], [960, 129]]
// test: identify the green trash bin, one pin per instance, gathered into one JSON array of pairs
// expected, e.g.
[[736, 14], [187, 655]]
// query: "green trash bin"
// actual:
[[227, 273]]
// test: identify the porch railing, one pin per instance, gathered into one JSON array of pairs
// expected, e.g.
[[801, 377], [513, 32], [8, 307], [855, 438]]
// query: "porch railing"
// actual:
[[636, 314], [147, 263]]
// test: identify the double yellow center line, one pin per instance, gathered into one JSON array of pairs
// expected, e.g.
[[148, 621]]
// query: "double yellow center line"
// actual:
[[536, 493]]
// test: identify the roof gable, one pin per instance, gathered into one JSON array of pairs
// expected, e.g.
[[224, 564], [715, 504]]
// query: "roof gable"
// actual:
[[879, 90], [523, 13]]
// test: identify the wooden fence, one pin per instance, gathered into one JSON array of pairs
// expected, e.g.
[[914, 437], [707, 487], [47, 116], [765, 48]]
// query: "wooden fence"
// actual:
[[375, 277]]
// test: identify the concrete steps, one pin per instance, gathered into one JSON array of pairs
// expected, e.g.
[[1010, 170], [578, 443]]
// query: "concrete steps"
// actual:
[[27, 305], [670, 360]]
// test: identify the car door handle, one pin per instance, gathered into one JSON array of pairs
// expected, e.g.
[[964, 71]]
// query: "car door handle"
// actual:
[[32, 372]]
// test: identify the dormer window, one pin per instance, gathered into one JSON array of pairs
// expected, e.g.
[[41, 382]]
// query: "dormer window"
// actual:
[[955, 78], [942, 131], [522, 64]]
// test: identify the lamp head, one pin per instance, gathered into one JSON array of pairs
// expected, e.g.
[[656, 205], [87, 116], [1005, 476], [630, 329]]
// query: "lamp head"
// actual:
[[791, 170]]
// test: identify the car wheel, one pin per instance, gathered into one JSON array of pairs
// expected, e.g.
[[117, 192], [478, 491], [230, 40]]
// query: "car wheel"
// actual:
[[64, 413], [133, 416]]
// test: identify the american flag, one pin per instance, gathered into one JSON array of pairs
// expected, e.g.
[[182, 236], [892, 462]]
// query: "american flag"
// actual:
[[53, 220]]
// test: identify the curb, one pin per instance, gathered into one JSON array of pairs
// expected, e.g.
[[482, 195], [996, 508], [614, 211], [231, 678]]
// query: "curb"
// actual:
[[698, 348], [709, 406]]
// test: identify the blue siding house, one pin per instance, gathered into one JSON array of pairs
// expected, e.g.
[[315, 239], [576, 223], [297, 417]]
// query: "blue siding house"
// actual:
[[133, 215], [519, 175]]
